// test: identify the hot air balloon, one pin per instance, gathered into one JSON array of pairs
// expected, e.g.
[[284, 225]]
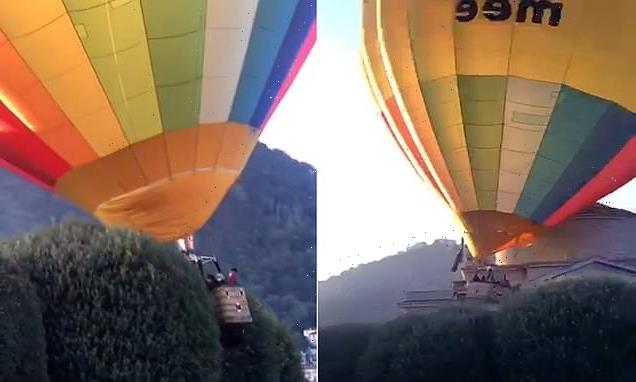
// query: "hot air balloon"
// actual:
[[518, 113], [144, 112]]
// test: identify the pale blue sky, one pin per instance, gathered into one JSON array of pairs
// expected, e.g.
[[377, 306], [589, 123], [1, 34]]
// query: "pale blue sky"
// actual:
[[370, 202]]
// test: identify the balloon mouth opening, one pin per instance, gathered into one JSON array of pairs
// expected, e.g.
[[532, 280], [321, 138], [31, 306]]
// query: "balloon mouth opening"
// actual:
[[169, 210], [494, 231]]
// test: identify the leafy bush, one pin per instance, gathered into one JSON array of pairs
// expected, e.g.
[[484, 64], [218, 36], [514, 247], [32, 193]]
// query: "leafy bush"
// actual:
[[22, 342], [339, 349], [119, 307], [572, 330], [447, 346], [265, 351]]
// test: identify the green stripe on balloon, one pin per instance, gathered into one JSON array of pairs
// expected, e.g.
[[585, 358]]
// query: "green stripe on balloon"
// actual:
[[176, 38], [482, 100]]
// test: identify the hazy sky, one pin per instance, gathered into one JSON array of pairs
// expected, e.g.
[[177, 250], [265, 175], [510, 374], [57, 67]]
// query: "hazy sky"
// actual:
[[370, 202]]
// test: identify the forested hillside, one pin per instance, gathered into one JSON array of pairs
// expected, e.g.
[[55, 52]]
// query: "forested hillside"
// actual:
[[368, 293]]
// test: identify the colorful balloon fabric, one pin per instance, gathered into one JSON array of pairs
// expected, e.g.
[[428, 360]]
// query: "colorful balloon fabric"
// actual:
[[144, 112], [519, 113]]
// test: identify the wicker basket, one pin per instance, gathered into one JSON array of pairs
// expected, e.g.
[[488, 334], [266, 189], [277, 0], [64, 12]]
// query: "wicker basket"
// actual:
[[231, 305]]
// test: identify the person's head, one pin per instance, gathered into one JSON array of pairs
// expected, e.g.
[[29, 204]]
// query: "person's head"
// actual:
[[234, 270]]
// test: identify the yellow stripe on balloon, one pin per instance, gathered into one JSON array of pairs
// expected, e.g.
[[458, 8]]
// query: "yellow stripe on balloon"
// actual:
[[554, 45], [433, 43], [114, 37], [398, 60], [482, 47], [381, 91], [379, 86], [609, 45], [44, 36], [571, 53], [444, 48]]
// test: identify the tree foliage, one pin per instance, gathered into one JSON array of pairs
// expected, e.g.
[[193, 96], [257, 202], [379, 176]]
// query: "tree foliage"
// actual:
[[22, 342], [119, 307], [339, 349], [448, 346], [571, 330], [260, 352]]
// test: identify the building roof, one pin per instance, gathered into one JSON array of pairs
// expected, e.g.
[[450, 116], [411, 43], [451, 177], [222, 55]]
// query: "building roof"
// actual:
[[574, 268], [428, 295], [417, 298], [600, 210]]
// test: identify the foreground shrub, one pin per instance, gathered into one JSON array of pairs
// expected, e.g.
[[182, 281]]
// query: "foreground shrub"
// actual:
[[263, 351], [453, 345], [340, 348], [22, 342], [573, 330], [578, 330], [119, 307]]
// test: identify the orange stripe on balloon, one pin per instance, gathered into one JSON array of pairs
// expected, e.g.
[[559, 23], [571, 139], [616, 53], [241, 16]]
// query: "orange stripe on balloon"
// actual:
[[164, 204], [26, 96], [619, 171]]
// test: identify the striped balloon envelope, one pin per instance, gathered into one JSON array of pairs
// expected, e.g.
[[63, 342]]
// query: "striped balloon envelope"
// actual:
[[518, 113], [144, 112]]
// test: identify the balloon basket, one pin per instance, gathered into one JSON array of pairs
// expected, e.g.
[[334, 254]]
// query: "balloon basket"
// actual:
[[232, 306]]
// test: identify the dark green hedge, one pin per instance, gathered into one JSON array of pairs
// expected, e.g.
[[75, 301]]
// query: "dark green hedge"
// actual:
[[22, 342], [119, 307], [263, 351], [339, 349], [573, 330], [449, 346], [578, 330]]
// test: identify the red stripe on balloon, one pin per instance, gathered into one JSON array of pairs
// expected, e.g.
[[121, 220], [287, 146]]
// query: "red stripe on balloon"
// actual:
[[24, 175], [305, 48], [23, 153], [618, 172]]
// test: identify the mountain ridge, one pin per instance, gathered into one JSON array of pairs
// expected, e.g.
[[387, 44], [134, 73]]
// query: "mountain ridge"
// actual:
[[368, 293]]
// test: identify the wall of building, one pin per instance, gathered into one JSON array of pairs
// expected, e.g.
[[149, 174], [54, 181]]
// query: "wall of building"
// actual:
[[599, 231]]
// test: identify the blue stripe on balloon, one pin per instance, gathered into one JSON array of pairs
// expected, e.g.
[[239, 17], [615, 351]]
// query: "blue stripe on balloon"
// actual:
[[271, 23], [299, 28], [613, 131]]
